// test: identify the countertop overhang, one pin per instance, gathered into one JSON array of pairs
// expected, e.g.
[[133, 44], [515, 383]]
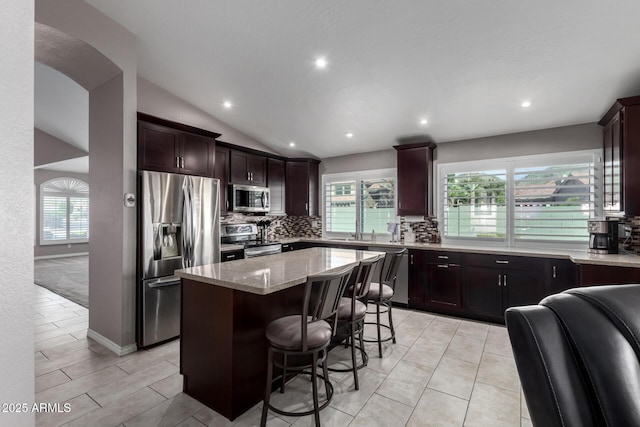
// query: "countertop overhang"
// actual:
[[268, 274]]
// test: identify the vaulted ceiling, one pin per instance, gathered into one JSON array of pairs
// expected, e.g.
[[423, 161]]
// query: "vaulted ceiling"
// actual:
[[463, 66]]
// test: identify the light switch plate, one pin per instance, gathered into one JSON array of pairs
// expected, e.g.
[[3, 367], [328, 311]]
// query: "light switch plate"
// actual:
[[314, 224]]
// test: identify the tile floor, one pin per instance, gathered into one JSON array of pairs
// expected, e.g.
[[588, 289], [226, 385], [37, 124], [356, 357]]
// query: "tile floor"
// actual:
[[443, 371]]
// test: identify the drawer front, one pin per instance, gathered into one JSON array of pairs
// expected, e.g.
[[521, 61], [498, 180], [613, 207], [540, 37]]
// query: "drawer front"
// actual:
[[232, 255], [442, 257], [504, 261]]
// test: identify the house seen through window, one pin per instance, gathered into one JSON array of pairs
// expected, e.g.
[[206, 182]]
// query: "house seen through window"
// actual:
[[64, 211], [531, 199], [364, 201]]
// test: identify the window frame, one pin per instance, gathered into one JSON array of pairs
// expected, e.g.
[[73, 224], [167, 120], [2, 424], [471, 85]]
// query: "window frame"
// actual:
[[357, 177], [68, 195], [510, 164]]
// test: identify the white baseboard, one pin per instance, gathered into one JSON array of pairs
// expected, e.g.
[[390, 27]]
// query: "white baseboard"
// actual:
[[106, 342], [60, 255]]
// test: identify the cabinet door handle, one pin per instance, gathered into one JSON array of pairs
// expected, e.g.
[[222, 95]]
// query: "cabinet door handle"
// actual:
[[443, 266], [454, 265], [230, 256], [177, 161], [504, 281], [182, 162], [554, 271], [443, 257], [499, 280], [306, 207], [411, 259], [251, 175], [399, 205], [499, 261], [248, 177]]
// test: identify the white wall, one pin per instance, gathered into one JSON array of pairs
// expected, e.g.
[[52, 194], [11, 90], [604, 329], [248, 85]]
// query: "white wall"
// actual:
[[568, 138], [157, 101], [16, 212]]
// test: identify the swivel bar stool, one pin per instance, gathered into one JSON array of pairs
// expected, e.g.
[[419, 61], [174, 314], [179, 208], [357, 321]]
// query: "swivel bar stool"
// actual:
[[381, 293], [299, 337], [351, 312]]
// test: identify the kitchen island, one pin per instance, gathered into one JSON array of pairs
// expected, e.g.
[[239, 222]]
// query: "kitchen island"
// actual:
[[225, 308]]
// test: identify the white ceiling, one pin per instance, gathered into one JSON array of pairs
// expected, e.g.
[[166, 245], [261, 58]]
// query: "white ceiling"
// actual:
[[464, 65]]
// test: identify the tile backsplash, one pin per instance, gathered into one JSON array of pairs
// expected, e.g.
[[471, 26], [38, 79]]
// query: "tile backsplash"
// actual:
[[282, 226], [425, 230]]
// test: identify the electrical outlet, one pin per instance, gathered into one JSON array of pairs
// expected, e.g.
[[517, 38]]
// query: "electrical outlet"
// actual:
[[314, 224]]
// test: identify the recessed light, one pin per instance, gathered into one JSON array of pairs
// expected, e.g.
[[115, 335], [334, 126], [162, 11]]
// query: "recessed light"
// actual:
[[348, 135], [292, 144], [423, 122], [227, 104], [526, 104], [321, 63]]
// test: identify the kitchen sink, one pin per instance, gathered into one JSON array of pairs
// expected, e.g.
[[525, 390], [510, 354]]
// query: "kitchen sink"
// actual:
[[349, 239]]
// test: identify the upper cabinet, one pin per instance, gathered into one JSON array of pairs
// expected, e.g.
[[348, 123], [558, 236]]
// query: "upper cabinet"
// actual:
[[221, 171], [171, 147], [415, 176], [302, 187], [621, 144], [276, 170], [248, 168]]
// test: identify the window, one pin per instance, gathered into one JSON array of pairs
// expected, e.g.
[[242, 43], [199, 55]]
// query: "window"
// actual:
[[64, 211], [359, 200], [538, 199]]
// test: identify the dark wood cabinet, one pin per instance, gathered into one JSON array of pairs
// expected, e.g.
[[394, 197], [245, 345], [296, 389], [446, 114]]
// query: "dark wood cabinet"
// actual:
[[247, 168], [418, 277], [415, 178], [494, 283], [221, 171], [166, 146], [302, 187], [621, 144], [592, 275], [276, 170], [434, 280], [562, 274]]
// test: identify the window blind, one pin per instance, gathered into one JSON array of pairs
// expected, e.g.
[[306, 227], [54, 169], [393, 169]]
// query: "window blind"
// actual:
[[553, 203], [475, 204], [54, 217], [340, 206]]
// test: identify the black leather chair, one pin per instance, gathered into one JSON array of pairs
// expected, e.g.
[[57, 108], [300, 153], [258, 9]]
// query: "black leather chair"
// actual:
[[578, 356]]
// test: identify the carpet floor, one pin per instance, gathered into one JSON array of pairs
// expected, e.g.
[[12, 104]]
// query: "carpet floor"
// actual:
[[67, 277]]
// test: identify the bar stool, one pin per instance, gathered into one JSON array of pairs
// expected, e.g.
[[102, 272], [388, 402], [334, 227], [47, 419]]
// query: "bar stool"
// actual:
[[381, 293], [304, 335], [352, 311]]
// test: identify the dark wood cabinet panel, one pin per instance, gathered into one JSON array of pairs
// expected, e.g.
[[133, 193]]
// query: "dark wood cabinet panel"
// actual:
[[197, 155], [166, 149], [221, 171], [444, 286], [158, 148], [276, 170], [247, 168], [562, 275], [592, 275], [415, 178], [418, 277], [522, 287], [483, 291], [302, 187], [621, 144]]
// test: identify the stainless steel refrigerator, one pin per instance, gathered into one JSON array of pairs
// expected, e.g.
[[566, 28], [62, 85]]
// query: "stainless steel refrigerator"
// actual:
[[179, 226]]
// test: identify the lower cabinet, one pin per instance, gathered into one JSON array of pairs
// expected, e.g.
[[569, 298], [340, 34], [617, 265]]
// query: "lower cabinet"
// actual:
[[434, 280], [592, 275], [494, 283]]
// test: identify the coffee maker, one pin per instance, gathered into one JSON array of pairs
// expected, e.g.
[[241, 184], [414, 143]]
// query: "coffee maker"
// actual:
[[603, 236]]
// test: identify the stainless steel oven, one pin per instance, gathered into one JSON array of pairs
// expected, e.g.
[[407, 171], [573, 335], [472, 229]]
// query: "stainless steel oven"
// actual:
[[249, 198]]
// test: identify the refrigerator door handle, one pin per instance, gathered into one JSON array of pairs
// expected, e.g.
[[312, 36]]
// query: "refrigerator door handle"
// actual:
[[187, 225]]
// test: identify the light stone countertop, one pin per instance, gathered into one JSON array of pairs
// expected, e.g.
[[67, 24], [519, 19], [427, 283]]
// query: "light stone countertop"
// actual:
[[268, 274], [578, 257]]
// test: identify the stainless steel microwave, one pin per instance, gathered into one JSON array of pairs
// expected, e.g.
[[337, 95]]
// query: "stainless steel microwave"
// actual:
[[249, 198]]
